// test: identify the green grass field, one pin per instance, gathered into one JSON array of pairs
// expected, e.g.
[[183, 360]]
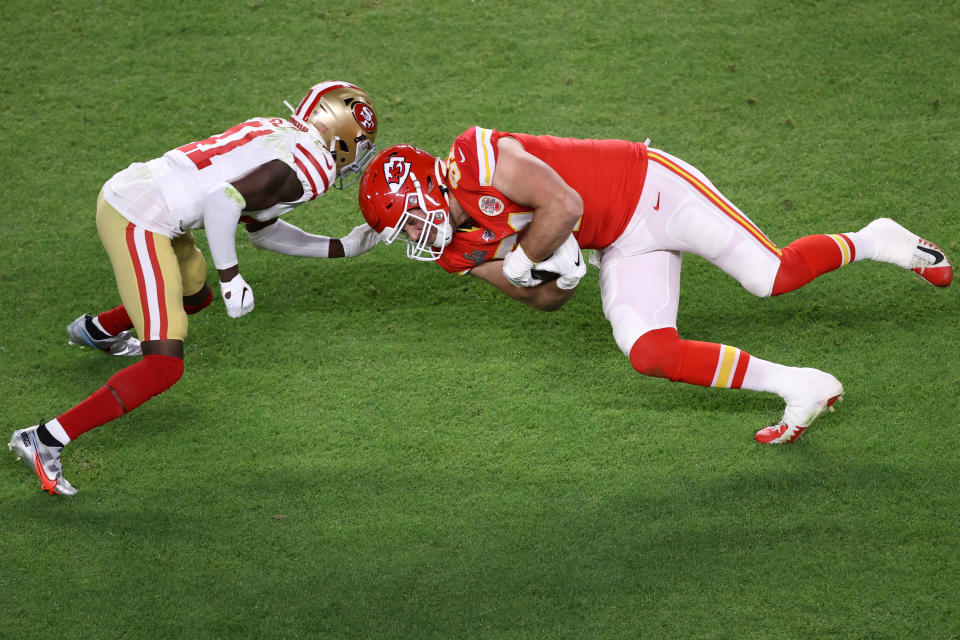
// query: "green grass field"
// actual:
[[382, 450]]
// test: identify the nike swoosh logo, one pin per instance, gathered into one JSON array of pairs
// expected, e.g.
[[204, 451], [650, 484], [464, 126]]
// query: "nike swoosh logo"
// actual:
[[46, 482], [657, 206], [577, 263], [937, 256], [462, 157]]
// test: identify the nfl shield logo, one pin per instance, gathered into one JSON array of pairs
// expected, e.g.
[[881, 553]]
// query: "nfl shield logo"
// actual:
[[395, 172]]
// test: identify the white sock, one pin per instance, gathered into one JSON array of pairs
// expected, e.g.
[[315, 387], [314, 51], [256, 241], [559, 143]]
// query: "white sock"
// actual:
[[864, 246], [56, 430], [887, 241], [762, 375]]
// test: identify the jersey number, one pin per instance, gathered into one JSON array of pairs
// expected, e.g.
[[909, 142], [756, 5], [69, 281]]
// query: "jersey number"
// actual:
[[201, 153]]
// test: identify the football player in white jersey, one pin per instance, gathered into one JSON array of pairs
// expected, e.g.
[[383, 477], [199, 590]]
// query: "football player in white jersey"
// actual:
[[253, 173]]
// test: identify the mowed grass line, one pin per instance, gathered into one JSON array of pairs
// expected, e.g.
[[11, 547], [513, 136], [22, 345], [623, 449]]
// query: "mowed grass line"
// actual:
[[383, 450]]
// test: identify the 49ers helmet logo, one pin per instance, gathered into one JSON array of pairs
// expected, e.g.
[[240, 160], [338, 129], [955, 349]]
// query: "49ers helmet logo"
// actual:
[[395, 172], [365, 117]]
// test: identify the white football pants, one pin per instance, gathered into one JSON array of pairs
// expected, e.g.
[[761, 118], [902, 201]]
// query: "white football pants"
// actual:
[[679, 211]]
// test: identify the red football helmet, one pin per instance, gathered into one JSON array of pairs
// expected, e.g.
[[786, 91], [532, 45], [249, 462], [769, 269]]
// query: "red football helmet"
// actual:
[[404, 183]]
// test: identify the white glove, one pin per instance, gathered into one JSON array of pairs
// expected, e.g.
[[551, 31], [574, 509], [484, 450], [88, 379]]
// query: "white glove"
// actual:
[[568, 261], [360, 240], [516, 268], [237, 296]]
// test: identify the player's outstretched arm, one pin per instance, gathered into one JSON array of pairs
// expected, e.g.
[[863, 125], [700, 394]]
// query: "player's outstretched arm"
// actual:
[[544, 297], [282, 237]]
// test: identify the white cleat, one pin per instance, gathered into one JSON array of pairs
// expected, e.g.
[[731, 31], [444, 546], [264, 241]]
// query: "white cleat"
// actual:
[[122, 344], [816, 392], [897, 245], [44, 460]]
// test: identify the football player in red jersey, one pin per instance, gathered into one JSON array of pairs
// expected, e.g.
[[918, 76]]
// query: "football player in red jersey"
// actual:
[[507, 207], [253, 173]]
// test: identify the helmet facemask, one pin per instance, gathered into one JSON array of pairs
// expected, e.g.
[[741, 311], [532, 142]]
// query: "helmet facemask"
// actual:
[[351, 172], [433, 212]]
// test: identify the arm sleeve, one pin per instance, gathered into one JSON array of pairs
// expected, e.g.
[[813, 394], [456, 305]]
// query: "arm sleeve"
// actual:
[[283, 237], [221, 214]]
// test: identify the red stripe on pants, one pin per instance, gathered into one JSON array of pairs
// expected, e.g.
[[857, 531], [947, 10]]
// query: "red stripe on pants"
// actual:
[[161, 291], [141, 285]]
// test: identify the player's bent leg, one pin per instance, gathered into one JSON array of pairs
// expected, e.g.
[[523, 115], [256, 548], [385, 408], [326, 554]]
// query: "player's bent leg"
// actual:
[[161, 367]]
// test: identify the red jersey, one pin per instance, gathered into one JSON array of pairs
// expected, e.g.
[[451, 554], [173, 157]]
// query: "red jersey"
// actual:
[[608, 175]]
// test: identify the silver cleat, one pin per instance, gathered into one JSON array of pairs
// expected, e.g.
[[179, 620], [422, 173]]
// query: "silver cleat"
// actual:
[[44, 460], [122, 344]]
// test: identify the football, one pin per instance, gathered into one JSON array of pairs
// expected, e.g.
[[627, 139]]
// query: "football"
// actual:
[[545, 276]]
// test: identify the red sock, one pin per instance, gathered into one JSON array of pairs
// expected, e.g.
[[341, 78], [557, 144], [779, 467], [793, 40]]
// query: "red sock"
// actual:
[[193, 308], [115, 320], [663, 354], [125, 391], [811, 256]]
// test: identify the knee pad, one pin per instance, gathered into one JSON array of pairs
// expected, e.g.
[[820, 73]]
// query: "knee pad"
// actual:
[[758, 280], [657, 353], [704, 233], [167, 369]]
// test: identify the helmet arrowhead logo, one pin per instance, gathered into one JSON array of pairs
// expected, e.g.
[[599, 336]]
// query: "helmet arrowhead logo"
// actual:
[[395, 172]]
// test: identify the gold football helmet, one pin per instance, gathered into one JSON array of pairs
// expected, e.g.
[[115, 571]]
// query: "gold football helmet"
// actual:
[[344, 116]]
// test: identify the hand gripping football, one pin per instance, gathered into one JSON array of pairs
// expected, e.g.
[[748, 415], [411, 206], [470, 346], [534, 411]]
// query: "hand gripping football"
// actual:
[[566, 263]]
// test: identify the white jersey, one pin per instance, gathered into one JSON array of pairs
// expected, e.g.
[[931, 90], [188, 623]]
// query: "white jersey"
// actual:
[[164, 195]]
